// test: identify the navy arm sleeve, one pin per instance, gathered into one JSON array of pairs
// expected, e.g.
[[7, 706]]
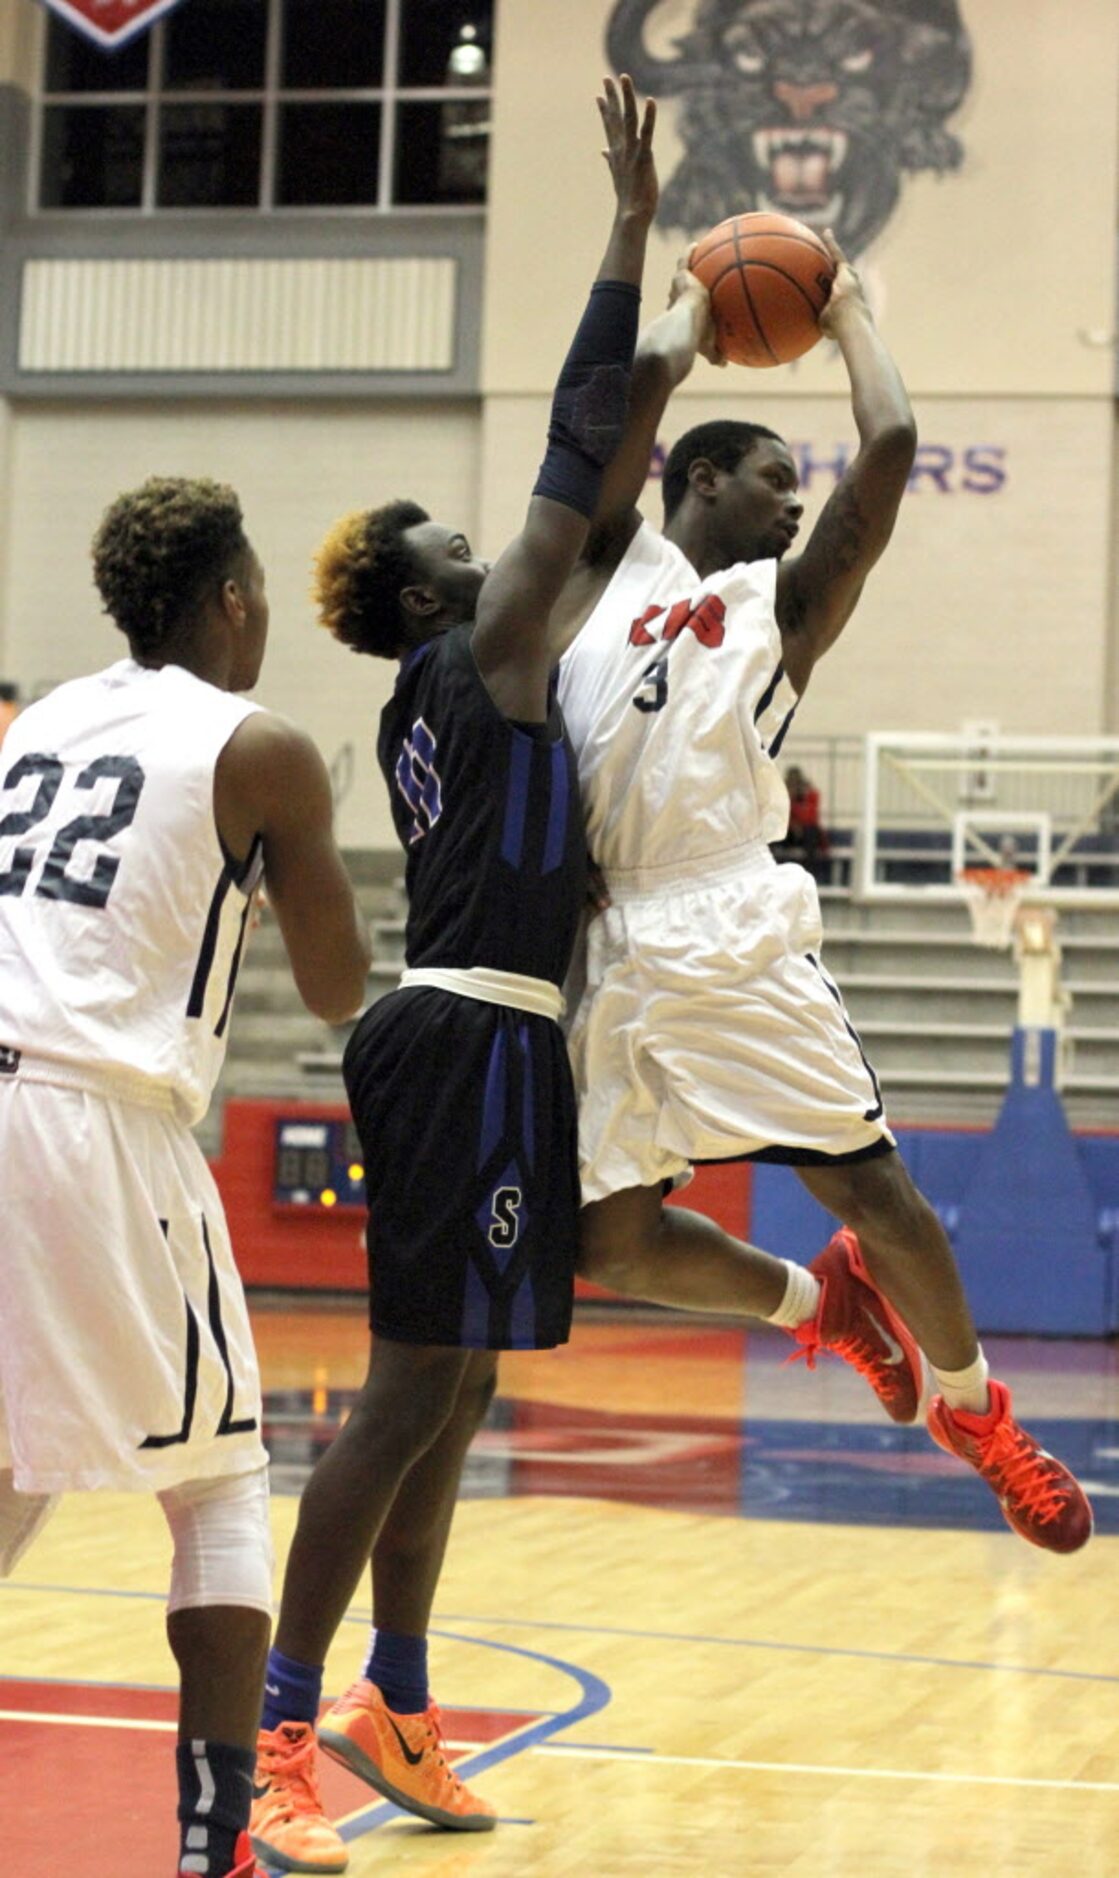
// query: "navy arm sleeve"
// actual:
[[589, 407]]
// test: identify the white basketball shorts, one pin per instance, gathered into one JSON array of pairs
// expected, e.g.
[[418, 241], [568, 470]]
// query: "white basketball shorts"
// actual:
[[709, 1030], [126, 1357]]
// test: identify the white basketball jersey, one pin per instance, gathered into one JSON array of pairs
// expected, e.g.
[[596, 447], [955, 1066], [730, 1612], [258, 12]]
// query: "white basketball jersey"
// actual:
[[121, 917], [677, 703]]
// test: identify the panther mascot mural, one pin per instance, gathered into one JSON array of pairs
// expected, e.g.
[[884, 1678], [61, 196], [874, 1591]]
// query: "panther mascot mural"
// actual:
[[814, 108]]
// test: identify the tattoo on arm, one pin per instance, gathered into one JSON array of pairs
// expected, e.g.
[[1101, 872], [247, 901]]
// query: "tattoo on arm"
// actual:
[[839, 537]]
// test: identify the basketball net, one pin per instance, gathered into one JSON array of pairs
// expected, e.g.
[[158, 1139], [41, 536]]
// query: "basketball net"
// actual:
[[993, 895], [998, 919]]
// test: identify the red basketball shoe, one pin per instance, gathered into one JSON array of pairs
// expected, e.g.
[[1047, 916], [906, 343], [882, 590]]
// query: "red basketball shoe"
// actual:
[[855, 1322], [1040, 1500]]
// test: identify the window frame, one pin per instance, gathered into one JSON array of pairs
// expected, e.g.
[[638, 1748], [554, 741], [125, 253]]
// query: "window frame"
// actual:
[[271, 97]]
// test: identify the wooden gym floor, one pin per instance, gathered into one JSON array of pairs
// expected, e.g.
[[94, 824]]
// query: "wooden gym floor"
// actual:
[[702, 1614]]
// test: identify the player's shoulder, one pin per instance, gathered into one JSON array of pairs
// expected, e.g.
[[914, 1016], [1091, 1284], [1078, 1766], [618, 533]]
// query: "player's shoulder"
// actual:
[[270, 775], [428, 664], [649, 544], [750, 580], [267, 740]]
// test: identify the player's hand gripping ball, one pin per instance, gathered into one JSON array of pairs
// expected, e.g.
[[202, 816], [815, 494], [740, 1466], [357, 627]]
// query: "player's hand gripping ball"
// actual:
[[769, 277]]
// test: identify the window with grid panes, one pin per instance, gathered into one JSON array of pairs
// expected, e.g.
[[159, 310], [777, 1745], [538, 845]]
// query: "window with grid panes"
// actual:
[[272, 104]]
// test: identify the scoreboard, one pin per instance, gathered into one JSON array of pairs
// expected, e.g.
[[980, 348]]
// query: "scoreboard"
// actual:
[[317, 1163]]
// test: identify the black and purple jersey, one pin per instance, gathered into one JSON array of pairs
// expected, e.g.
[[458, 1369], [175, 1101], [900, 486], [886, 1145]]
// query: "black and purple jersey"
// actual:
[[488, 813], [466, 1109]]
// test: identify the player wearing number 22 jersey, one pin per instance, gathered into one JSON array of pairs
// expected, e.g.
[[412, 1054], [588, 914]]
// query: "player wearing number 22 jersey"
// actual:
[[121, 927], [139, 810]]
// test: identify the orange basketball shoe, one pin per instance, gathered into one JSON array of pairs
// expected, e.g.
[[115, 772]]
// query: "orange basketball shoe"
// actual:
[[287, 1825], [403, 1757], [1039, 1498], [855, 1322]]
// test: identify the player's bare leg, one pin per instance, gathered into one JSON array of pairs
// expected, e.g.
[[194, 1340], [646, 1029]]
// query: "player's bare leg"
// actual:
[[220, 1650], [634, 1244], [407, 1399], [408, 1556], [405, 1403], [907, 1250], [390, 1704]]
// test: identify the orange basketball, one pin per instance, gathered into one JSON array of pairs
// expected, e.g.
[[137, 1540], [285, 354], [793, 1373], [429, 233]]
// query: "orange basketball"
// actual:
[[769, 277]]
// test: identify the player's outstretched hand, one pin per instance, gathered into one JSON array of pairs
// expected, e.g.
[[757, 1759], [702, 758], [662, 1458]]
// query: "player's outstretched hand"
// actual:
[[629, 148], [687, 287], [846, 288]]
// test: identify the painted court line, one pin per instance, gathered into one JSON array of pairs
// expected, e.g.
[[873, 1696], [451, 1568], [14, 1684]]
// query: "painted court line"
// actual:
[[85, 1721], [38, 1715], [574, 1752], [783, 1648]]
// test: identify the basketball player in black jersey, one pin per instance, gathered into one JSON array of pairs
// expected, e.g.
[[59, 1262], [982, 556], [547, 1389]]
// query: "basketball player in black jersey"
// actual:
[[459, 1081]]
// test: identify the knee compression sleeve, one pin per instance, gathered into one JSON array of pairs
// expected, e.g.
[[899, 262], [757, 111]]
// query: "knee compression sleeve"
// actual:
[[223, 1542], [589, 407], [22, 1517]]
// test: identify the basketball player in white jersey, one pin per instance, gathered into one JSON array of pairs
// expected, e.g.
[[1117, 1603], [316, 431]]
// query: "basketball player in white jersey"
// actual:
[[140, 809], [709, 1029]]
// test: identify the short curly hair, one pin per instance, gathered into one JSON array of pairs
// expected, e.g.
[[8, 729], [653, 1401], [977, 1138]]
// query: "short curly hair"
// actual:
[[358, 574], [723, 442], [161, 550]]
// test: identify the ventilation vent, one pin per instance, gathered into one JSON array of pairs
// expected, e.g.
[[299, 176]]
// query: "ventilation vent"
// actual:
[[238, 316]]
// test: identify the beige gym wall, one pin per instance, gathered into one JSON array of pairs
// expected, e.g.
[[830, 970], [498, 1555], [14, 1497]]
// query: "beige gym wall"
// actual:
[[986, 277], [19, 32], [297, 467], [991, 602], [991, 283]]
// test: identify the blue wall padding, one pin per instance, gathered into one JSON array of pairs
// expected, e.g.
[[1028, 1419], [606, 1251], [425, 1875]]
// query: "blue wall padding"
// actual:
[[1031, 1209], [1027, 1243], [784, 1218]]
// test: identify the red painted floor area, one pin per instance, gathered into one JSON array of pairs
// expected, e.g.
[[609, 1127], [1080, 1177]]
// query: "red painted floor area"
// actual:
[[82, 1763]]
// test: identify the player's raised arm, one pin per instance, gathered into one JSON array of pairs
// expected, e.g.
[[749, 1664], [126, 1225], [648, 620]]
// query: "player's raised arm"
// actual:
[[271, 780], [817, 592], [666, 351], [665, 354], [588, 414]]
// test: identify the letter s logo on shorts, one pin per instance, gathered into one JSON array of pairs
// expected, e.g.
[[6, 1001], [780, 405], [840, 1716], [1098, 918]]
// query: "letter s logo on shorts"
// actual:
[[505, 1224], [418, 780]]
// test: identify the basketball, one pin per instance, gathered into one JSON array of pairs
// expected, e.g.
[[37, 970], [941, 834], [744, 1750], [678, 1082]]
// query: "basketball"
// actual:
[[769, 277]]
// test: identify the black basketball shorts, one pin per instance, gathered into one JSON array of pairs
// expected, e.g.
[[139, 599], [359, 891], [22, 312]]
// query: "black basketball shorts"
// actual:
[[467, 1119]]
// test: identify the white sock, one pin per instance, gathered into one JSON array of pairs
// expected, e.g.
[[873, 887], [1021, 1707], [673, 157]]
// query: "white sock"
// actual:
[[801, 1300], [369, 1652], [966, 1388]]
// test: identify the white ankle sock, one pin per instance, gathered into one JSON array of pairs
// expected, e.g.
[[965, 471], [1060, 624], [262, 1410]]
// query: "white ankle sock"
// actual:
[[801, 1300], [966, 1388]]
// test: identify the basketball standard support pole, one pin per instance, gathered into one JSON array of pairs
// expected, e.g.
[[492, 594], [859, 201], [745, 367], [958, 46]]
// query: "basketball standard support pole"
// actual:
[[1027, 1240]]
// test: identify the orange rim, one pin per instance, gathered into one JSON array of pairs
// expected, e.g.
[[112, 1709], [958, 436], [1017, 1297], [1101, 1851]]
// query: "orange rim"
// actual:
[[993, 880]]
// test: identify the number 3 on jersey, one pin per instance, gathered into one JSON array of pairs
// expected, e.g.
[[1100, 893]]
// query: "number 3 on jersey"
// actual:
[[653, 695], [707, 620], [55, 881]]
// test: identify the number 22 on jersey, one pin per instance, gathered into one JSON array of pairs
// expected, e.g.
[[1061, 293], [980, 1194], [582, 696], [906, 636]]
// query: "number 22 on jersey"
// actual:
[[56, 881]]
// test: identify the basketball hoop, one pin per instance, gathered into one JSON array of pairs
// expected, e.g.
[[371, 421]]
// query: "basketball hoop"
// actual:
[[993, 896]]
